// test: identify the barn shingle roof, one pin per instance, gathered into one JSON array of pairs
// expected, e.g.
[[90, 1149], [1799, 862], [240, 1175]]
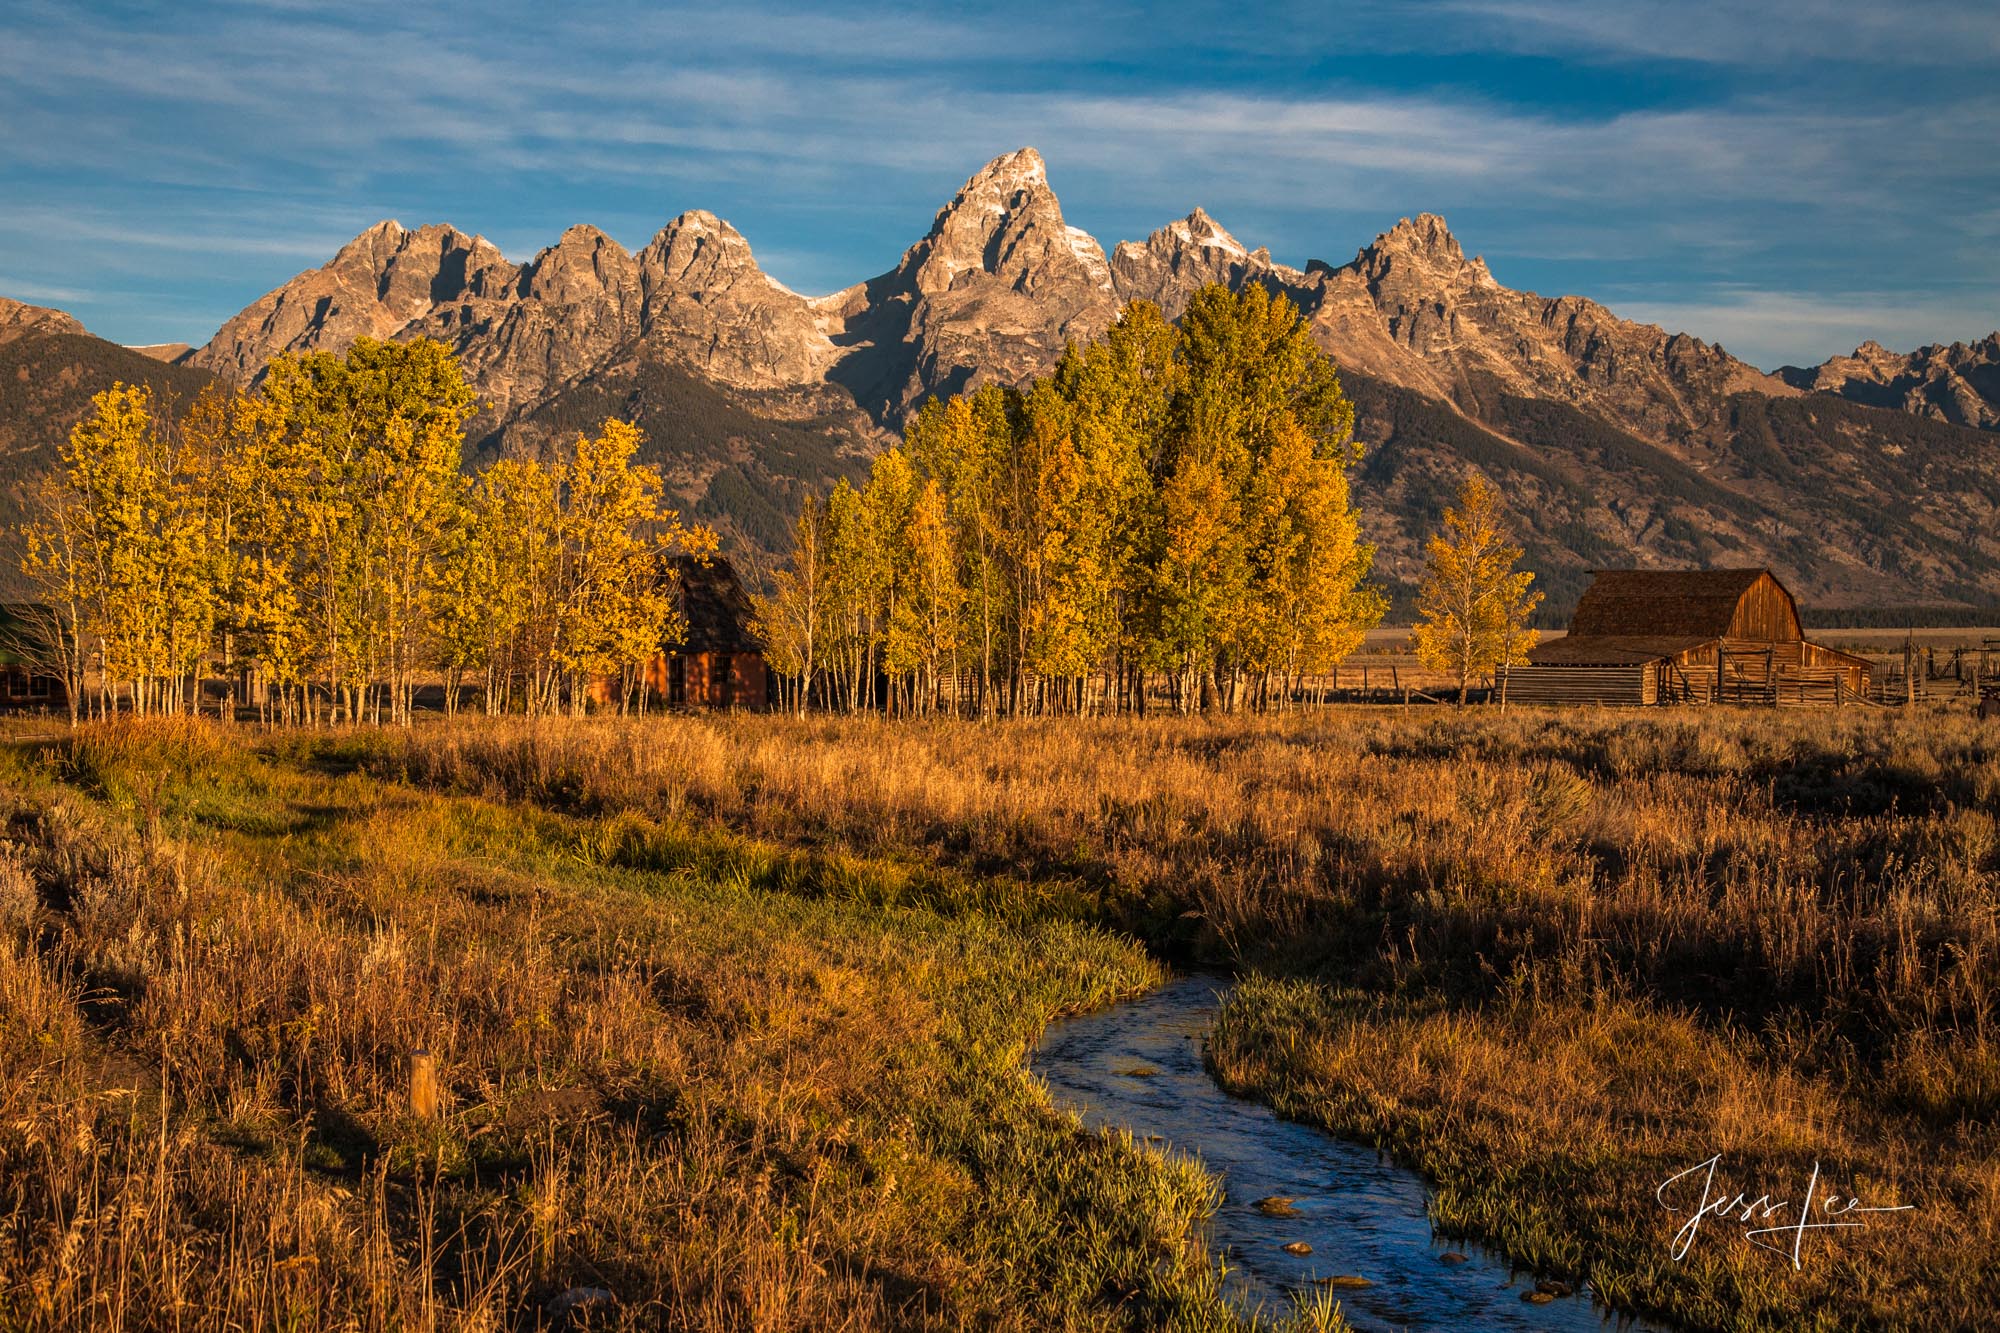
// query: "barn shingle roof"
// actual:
[[1683, 603], [1612, 649], [717, 609]]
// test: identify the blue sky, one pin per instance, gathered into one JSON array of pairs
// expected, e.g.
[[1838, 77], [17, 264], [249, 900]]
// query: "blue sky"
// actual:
[[1786, 179]]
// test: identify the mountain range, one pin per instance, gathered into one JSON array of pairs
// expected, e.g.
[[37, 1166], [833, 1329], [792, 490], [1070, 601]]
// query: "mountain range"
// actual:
[[1871, 480]]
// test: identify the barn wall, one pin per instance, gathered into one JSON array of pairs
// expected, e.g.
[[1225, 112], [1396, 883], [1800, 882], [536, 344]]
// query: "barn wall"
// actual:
[[1766, 613], [749, 681]]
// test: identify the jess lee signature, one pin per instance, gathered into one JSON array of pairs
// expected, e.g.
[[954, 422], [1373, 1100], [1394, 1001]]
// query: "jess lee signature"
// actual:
[[1789, 1222]]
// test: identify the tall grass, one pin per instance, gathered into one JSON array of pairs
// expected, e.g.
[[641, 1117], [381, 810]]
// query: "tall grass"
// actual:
[[1745, 866], [732, 1104], [1551, 959], [731, 1010]]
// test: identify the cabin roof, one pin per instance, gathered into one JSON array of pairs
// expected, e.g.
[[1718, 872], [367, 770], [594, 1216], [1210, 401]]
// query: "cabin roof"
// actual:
[[24, 634], [1697, 603], [1613, 649], [716, 606]]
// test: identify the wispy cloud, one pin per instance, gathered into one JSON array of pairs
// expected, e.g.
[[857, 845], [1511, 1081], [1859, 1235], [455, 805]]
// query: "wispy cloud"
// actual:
[[1770, 329], [1943, 33], [247, 140]]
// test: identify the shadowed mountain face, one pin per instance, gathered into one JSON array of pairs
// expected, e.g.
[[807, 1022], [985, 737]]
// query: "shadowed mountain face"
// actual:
[[49, 369], [1616, 442]]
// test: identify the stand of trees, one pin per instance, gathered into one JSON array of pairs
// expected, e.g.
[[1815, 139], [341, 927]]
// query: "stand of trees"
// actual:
[[1169, 505], [1474, 605], [317, 542]]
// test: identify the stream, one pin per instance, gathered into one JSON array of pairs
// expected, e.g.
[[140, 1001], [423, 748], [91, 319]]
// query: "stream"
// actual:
[[1138, 1066]]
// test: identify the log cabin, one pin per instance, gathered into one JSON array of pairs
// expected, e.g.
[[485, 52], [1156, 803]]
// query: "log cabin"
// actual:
[[26, 652], [1663, 636], [720, 663]]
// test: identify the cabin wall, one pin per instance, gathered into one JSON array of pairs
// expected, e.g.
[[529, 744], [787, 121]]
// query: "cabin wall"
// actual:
[[696, 680], [22, 689], [715, 680]]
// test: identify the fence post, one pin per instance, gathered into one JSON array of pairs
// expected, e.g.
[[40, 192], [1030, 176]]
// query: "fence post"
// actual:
[[423, 1086]]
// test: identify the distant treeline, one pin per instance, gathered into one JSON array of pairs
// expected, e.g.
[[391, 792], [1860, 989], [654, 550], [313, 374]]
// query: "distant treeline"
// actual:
[[1900, 617]]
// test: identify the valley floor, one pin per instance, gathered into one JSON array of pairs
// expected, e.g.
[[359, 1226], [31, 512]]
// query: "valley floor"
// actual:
[[729, 1013]]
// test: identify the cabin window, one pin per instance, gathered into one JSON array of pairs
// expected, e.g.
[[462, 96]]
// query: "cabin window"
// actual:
[[17, 683], [38, 687]]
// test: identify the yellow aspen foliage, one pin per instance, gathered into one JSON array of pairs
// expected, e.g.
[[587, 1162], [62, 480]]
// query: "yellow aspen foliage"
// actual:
[[1474, 605]]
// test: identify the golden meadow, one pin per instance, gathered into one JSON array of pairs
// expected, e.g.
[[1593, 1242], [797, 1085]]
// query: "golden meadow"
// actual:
[[730, 1013]]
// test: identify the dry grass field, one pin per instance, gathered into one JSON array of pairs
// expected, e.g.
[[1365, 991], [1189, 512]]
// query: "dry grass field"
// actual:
[[730, 1012]]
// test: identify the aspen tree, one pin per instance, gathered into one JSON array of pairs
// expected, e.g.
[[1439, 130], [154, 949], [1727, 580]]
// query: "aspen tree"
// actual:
[[792, 619], [373, 441], [964, 443], [504, 611], [1474, 605], [882, 553], [615, 605], [60, 563], [850, 591]]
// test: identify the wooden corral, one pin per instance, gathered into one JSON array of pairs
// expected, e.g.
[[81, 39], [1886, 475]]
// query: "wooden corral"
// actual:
[[1643, 636]]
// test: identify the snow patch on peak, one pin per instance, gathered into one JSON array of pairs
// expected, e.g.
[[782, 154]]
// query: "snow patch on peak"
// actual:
[[1089, 254], [1222, 240]]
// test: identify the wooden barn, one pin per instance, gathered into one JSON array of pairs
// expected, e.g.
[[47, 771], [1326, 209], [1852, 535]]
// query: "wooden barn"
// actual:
[[721, 662], [1647, 636]]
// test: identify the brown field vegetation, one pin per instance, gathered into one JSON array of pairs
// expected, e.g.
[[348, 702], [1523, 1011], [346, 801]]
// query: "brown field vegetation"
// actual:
[[735, 1102], [731, 1010]]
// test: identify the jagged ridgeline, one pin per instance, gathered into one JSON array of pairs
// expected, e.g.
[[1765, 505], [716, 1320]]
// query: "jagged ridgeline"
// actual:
[[1865, 482]]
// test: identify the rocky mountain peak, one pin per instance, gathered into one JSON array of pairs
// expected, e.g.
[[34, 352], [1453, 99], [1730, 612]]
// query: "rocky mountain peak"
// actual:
[[1005, 222], [699, 249], [584, 265], [18, 319], [1957, 382], [708, 305], [1179, 259], [378, 284], [373, 244], [1198, 228], [991, 292], [1419, 253], [1427, 235], [1019, 170]]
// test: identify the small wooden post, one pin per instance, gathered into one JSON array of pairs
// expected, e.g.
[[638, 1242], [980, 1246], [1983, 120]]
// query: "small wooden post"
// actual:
[[423, 1086]]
